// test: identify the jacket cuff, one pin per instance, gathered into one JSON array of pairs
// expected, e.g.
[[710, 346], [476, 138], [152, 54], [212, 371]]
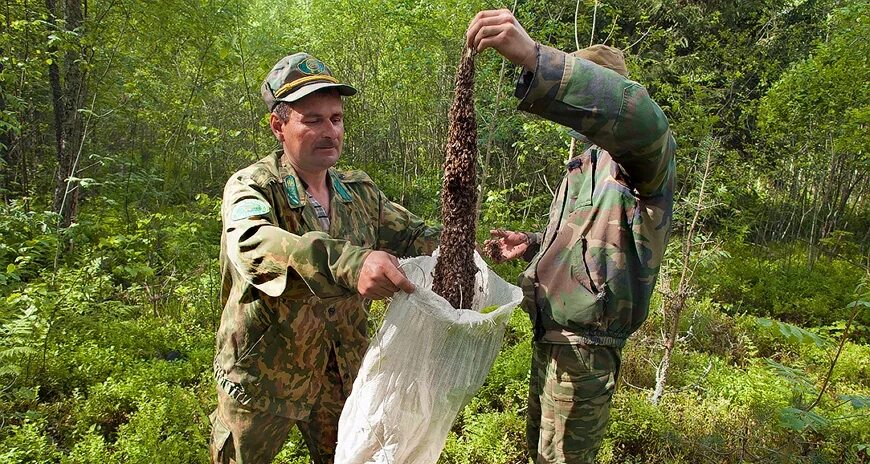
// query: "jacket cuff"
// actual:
[[537, 90], [349, 266], [534, 245]]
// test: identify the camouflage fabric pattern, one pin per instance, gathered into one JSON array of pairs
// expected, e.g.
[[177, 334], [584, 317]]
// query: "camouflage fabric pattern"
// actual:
[[595, 269], [289, 288], [231, 442], [241, 435], [569, 401], [296, 76]]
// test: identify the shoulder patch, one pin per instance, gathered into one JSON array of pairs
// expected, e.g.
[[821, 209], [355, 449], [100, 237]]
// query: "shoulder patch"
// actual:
[[249, 207]]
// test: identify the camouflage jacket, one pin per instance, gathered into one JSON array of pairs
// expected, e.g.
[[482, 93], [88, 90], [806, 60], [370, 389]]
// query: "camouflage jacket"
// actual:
[[289, 287], [593, 270]]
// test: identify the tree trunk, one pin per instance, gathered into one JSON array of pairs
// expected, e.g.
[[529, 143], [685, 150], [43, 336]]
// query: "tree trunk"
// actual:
[[673, 301], [68, 93], [57, 105], [673, 307], [7, 162]]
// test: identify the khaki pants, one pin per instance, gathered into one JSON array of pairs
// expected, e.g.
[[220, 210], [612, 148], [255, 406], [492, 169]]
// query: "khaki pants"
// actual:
[[240, 435], [569, 401]]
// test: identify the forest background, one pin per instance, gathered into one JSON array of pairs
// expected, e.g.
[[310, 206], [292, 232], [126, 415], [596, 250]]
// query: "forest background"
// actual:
[[120, 121]]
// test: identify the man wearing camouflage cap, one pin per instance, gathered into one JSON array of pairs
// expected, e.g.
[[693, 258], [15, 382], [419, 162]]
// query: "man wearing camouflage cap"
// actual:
[[303, 249], [592, 272]]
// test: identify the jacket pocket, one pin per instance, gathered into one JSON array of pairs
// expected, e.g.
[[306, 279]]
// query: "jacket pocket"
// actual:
[[584, 303], [220, 436], [247, 359], [580, 182]]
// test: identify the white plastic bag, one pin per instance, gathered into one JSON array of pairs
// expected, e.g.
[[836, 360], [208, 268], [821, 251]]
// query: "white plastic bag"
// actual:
[[426, 362]]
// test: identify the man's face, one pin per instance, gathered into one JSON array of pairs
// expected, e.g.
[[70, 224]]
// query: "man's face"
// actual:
[[313, 135]]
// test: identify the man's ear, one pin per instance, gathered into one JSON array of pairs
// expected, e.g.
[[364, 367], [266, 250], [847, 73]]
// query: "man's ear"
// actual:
[[276, 124]]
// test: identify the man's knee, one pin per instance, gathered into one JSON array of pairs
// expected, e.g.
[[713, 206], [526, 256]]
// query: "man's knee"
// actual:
[[320, 433], [241, 436], [572, 404]]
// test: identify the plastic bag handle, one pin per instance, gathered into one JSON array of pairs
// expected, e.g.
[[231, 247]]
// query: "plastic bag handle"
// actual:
[[418, 268]]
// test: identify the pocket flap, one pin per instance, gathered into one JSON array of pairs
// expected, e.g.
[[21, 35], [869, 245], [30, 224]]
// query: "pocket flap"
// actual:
[[220, 433]]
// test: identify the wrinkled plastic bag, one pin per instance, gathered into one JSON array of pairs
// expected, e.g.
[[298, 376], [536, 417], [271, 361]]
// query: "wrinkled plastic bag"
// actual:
[[426, 362]]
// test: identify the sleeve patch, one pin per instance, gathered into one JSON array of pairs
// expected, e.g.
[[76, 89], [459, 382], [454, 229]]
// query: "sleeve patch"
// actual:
[[249, 207]]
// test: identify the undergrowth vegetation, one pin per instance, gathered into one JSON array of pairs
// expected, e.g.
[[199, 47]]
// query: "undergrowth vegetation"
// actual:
[[108, 358], [107, 326]]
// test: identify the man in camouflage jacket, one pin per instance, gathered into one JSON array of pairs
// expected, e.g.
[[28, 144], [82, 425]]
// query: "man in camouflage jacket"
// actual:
[[301, 254], [592, 272]]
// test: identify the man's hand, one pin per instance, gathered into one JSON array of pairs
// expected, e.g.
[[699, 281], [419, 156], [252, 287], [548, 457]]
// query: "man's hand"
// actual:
[[499, 29], [381, 277], [506, 245]]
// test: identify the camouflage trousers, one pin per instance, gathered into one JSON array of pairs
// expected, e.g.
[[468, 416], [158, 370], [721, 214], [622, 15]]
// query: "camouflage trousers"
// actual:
[[240, 435], [569, 401]]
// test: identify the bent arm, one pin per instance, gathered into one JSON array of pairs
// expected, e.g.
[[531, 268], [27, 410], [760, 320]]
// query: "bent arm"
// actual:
[[615, 113], [267, 256]]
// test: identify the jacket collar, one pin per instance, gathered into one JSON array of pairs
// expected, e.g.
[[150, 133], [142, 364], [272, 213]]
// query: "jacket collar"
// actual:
[[294, 189]]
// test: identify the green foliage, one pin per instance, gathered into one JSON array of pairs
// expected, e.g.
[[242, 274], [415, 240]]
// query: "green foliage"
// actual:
[[793, 333], [507, 386], [90, 448], [509, 208], [91, 316], [28, 244], [857, 402], [798, 419], [799, 416], [28, 443], [797, 378], [488, 438], [17, 336], [820, 94], [634, 422], [294, 451], [163, 429], [780, 284], [815, 115]]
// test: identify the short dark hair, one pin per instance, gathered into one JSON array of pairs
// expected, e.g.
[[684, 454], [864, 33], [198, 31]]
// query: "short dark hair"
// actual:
[[282, 110]]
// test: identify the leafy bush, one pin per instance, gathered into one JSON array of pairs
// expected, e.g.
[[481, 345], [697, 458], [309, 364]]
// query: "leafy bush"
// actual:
[[28, 244], [27, 443], [780, 284], [294, 451], [89, 448], [170, 426], [635, 423], [488, 438], [507, 385]]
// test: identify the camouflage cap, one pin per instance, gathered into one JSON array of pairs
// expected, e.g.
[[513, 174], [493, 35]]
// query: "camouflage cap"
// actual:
[[602, 55], [296, 76]]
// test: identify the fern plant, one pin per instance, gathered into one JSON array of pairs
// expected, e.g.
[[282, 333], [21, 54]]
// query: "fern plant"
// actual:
[[800, 416], [18, 338]]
